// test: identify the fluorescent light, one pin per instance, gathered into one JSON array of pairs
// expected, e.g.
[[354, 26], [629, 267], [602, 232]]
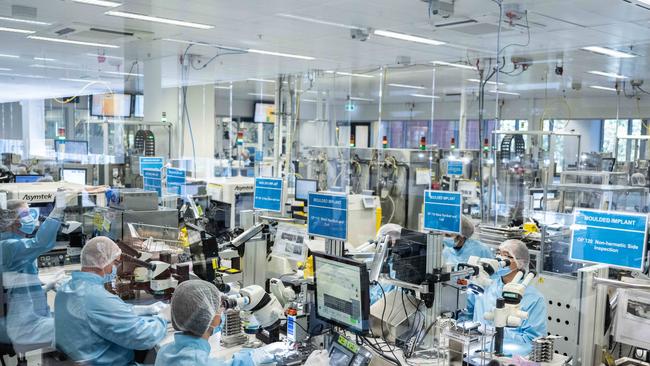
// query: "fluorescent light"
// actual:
[[106, 56], [361, 99], [43, 59], [407, 37], [425, 96], [608, 52], [25, 21], [458, 66], [608, 74], [407, 86], [602, 88], [105, 3], [349, 74], [70, 41], [222, 87], [129, 15], [504, 92], [262, 52], [317, 21], [262, 95], [489, 82], [261, 80], [23, 75], [16, 30], [309, 100], [4, 69], [8, 56], [53, 67], [83, 80], [122, 73], [647, 2]]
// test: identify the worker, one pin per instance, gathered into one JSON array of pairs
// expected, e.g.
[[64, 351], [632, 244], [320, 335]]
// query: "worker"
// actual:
[[96, 327], [197, 315], [28, 320], [459, 247], [517, 341]]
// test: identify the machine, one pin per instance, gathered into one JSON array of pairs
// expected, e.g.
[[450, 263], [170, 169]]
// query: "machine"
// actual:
[[228, 198]]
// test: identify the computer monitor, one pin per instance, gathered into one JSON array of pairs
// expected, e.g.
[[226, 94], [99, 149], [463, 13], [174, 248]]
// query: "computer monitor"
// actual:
[[111, 105], [71, 149], [304, 187], [74, 175], [607, 164], [342, 294], [409, 257], [138, 106], [27, 178]]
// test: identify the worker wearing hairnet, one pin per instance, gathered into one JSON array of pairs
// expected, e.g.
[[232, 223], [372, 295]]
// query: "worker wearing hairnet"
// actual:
[[458, 248], [517, 341], [94, 326], [28, 321], [196, 316]]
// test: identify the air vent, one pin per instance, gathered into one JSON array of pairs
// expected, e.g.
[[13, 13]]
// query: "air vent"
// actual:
[[459, 22], [64, 31], [452, 94], [25, 12], [110, 31]]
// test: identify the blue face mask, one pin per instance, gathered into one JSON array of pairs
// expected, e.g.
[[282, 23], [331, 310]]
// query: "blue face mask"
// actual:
[[110, 277], [27, 224], [449, 242], [504, 271], [219, 328]]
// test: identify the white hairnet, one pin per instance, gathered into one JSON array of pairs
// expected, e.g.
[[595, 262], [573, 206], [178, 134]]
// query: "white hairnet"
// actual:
[[466, 227], [194, 305], [99, 252], [9, 215], [519, 251]]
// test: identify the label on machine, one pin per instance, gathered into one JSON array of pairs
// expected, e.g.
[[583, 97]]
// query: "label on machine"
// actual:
[[455, 167], [175, 180], [151, 162], [152, 180], [442, 211], [268, 194], [614, 238], [328, 216]]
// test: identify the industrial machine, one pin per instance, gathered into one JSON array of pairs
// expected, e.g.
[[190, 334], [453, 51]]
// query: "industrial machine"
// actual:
[[229, 197]]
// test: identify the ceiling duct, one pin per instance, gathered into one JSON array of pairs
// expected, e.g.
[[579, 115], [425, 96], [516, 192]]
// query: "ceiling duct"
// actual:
[[86, 32]]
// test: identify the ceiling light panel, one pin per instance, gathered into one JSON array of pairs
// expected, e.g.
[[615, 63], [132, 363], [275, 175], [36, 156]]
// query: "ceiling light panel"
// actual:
[[262, 95], [281, 54], [44, 59], [608, 52], [425, 96], [148, 18], [8, 56], [261, 80], [349, 74], [104, 3], [607, 74], [29, 76], [407, 86], [24, 21], [407, 37], [503, 92], [602, 88], [362, 99], [317, 21], [458, 66], [488, 82], [16, 30], [70, 41], [106, 56]]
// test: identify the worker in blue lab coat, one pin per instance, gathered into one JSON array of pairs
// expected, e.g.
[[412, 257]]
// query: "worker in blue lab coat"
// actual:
[[459, 247], [517, 341], [197, 315], [28, 321], [96, 327]]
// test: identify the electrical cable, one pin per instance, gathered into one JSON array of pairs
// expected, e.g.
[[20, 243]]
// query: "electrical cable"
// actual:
[[519, 44], [382, 323], [66, 101]]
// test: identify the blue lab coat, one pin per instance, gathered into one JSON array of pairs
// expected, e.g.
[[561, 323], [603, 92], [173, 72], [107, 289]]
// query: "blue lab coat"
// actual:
[[517, 341], [189, 350], [29, 320], [471, 248], [97, 327]]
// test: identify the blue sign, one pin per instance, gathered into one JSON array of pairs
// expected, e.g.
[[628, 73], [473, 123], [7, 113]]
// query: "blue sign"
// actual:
[[152, 180], [268, 194], [614, 238], [150, 162], [328, 216], [175, 179], [442, 211], [454, 167]]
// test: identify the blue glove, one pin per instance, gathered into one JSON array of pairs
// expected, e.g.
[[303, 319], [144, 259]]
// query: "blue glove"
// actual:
[[243, 358]]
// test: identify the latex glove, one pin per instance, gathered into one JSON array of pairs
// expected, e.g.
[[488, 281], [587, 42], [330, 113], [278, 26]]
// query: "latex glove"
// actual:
[[152, 309], [55, 283]]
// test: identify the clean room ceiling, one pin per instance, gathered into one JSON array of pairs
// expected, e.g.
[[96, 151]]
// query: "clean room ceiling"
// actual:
[[320, 30]]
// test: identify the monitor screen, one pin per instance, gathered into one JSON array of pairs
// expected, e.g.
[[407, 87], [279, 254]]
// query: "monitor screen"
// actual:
[[28, 178], [77, 176], [342, 294], [264, 112], [304, 187], [111, 105], [138, 106]]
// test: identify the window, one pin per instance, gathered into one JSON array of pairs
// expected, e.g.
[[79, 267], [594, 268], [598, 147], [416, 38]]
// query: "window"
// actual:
[[613, 128]]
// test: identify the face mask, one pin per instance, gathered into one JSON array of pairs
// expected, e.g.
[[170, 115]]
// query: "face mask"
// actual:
[[110, 277], [449, 242], [27, 224], [218, 328]]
